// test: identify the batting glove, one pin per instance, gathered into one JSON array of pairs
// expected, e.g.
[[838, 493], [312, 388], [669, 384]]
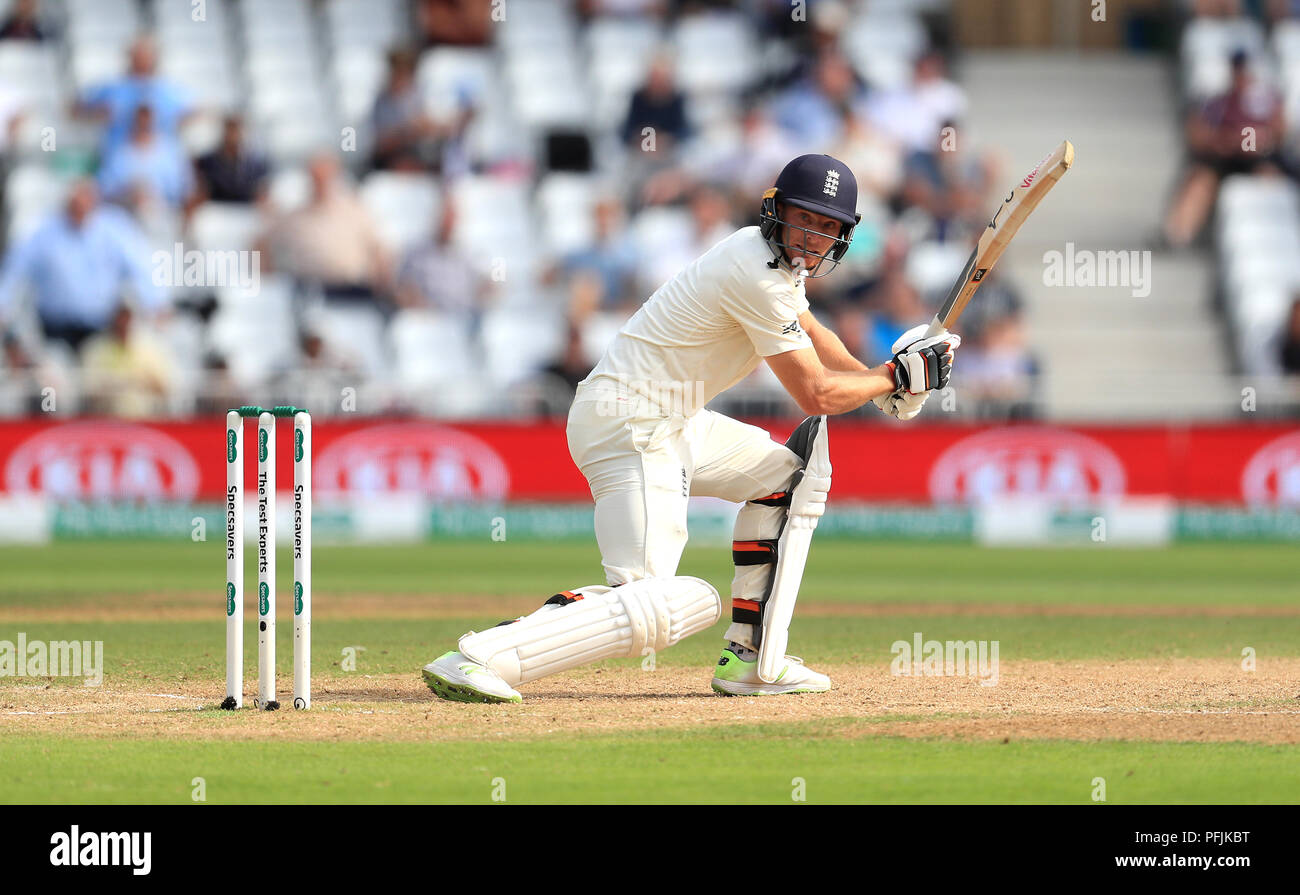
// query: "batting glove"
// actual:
[[901, 405], [924, 364]]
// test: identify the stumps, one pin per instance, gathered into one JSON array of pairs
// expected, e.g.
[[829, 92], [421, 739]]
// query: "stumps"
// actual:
[[266, 545], [302, 560]]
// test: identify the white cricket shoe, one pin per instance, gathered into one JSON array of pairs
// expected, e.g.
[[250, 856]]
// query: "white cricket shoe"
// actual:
[[736, 676], [460, 679]]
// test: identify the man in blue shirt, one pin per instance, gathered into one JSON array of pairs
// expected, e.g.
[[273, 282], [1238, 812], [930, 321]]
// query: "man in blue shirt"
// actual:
[[115, 102], [76, 264], [148, 162]]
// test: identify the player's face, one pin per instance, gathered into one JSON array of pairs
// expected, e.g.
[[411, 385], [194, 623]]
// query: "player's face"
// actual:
[[807, 246]]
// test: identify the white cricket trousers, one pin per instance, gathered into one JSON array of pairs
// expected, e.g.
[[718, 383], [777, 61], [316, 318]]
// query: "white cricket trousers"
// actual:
[[643, 469]]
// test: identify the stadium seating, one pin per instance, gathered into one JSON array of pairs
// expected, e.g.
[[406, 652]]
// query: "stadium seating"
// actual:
[[1258, 234], [403, 206], [301, 71]]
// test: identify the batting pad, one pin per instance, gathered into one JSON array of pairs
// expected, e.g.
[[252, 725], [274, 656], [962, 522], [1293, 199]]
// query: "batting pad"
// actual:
[[807, 504], [593, 623]]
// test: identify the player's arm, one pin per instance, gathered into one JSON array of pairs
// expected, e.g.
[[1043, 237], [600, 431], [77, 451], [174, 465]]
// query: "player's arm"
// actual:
[[830, 350], [819, 390]]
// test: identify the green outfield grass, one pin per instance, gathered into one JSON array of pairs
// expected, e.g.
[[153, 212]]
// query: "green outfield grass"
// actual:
[[193, 650], [997, 581], [713, 765], [839, 570], [1200, 601]]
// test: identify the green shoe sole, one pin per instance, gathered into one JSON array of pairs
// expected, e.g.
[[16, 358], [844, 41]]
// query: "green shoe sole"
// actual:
[[457, 693], [717, 689]]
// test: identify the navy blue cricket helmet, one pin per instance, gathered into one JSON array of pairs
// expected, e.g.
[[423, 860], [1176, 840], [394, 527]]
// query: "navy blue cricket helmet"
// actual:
[[820, 184]]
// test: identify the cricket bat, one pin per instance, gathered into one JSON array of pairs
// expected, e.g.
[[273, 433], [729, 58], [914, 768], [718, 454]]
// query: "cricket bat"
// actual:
[[1023, 199]]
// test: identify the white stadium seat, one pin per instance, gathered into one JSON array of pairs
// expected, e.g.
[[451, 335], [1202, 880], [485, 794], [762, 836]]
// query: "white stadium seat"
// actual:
[[276, 102], [430, 349], [103, 21], [597, 332], [564, 205], [255, 330], [220, 226], [1259, 196], [289, 188], [356, 330], [93, 64], [364, 23], [403, 206], [294, 139], [932, 266], [359, 74], [491, 212], [715, 51], [518, 343], [266, 66], [446, 74], [34, 187], [1286, 40], [883, 47], [31, 70], [537, 23]]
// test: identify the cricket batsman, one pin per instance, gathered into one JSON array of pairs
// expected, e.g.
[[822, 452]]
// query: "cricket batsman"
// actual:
[[638, 430]]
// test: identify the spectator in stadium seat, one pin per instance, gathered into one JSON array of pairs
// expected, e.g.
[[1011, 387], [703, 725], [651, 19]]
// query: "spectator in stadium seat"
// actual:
[[751, 165], [320, 365], [441, 275], [147, 162], [1278, 11], [811, 110], [611, 257], [711, 217], [659, 105], [710, 223], [586, 296], [1000, 368], [219, 390], [873, 313], [405, 134], [914, 113], [1291, 341], [559, 379], [24, 23], [950, 185], [652, 131], [331, 242], [11, 117], [806, 37], [128, 374], [115, 102], [26, 373], [232, 172], [1219, 147], [461, 23], [627, 9], [875, 158], [76, 264]]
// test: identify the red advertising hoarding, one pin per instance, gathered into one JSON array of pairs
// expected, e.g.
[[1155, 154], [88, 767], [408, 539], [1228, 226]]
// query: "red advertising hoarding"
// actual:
[[88, 459]]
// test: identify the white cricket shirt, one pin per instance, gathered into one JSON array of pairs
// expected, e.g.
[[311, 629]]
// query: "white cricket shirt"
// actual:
[[704, 330]]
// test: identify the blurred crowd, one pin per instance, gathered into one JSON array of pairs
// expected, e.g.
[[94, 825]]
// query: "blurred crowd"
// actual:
[[1240, 79], [449, 211]]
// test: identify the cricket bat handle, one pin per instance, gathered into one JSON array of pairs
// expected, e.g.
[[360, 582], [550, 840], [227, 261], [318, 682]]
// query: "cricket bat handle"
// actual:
[[936, 328]]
